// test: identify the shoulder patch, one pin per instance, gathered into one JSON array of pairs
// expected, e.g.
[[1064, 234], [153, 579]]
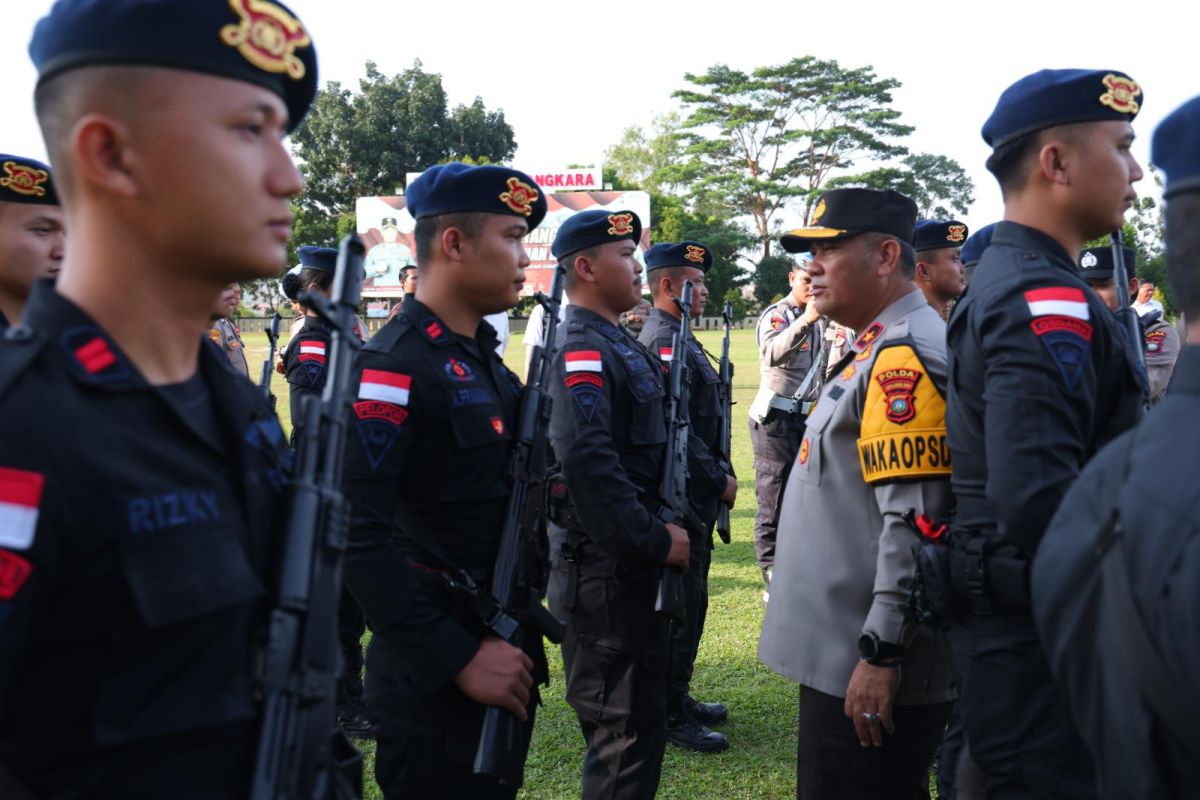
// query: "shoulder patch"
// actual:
[[312, 350], [903, 430], [778, 323], [1154, 341]]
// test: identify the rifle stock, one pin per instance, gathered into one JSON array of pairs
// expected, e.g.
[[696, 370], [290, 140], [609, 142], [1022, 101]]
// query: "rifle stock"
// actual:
[[298, 754]]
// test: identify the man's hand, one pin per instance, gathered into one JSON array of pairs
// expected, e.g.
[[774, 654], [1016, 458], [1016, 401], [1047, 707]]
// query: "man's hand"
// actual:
[[730, 493], [498, 675], [811, 314], [681, 548], [870, 693]]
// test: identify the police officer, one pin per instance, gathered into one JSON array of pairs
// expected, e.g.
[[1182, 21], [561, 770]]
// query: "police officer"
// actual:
[[1114, 581], [305, 357], [408, 279], [1040, 380], [668, 265], [608, 433], [972, 250], [225, 332], [1161, 340], [789, 333], [426, 475], [875, 688], [143, 490], [304, 362], [939, 273], [31, 232]]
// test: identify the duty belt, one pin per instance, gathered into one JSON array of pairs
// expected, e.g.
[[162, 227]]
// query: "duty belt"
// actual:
[[791, 405]]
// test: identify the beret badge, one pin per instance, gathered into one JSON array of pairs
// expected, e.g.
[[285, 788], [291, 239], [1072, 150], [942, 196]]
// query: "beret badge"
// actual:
[[621, 224], [519, 197], [1122, 94], [267, 37], [956, 233], [694, 254], [24, 179], [1089, 260]]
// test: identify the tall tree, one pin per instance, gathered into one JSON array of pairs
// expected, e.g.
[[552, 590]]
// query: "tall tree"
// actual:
[[938, 185], [361, 144], [754, 141], [641, 159]]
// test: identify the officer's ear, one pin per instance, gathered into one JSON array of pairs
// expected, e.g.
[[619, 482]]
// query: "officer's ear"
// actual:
[[584, 268], [922, 272], [889, 255]]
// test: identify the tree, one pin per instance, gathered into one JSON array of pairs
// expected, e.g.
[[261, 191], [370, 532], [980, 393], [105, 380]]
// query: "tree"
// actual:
[[641, 161], [938, 185], [771, 278], [753, 142], [362, 144]]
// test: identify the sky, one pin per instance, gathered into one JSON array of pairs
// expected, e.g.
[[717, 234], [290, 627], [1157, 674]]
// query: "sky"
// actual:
[[571, 76]]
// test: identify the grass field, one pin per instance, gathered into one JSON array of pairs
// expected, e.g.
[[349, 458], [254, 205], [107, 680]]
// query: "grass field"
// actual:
[[762, 706]]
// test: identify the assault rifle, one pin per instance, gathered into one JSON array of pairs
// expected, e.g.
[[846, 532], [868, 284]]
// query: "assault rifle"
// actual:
[[518, 581], [725, 443], [301, 751]]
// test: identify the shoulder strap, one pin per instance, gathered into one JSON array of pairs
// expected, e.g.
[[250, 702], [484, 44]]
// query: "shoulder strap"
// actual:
[[20, 347], [1171, 700], [389, 334]]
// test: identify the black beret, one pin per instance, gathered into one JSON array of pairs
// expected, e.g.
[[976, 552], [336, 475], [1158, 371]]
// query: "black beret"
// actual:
[[681, 254], [257, 41], [841, 213], [1061, 97], [24, 180], [458, 188], [322, 259], [935, 234], [972, 249], [595, 227], [1175, 149], [1097, 262]]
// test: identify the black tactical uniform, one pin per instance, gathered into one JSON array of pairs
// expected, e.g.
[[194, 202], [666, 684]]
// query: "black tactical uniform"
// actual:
[[139, 532], [706, 484], [1039, 381], [304, 363], [608, 431], [1148, 475], [426, 477]]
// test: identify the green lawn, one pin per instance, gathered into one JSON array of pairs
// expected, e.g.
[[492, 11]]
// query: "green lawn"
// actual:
[[762, 717]]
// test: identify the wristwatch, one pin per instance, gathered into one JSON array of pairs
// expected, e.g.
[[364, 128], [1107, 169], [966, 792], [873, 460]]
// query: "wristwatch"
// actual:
[[879, 653]]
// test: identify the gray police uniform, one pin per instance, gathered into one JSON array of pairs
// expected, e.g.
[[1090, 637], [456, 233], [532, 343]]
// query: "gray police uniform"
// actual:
[[1162, 349], [1148, 476], [874, 448], [786, 348], [228, 337]]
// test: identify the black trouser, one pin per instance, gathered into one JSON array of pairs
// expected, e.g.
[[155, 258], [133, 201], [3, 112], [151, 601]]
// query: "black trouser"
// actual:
[[351, 628], [832, 765], [1019, 736], [775, 441], [685, 638], [615, 662], [425, 744]]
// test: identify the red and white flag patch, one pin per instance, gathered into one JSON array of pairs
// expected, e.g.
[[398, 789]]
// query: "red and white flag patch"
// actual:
[[312, 350], [20, 497], [1060, 301], [665, 353], [384, 386], [583, 361]]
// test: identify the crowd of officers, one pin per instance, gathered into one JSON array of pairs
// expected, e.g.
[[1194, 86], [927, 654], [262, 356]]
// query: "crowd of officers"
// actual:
[[945, 473]]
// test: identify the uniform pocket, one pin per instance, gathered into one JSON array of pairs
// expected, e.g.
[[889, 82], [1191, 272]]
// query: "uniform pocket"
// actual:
[[186, 572]]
